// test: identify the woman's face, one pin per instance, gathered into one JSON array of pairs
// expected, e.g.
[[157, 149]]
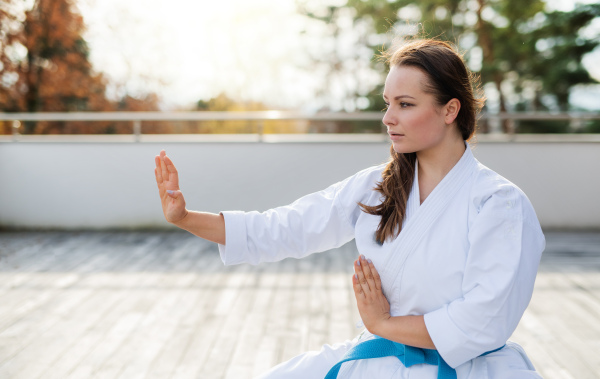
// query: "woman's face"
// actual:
[[415, 122]]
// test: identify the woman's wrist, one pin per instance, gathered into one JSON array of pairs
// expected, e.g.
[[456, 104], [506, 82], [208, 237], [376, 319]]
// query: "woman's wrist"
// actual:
[[180, 223], [382, 328], [205, 225], [408, 330]]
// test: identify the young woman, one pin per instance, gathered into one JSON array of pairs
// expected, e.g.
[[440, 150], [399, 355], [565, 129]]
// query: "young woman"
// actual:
[[449, 250]]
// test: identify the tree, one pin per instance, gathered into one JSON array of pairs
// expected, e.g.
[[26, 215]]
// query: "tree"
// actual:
[[371, 23], [55, 75], [559, 48], [47, 68], [531, 56], [222, 103], [342, 57], [10, 42]]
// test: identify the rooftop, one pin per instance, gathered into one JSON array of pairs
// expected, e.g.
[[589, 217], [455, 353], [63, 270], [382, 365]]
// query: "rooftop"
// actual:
[[161, 304]]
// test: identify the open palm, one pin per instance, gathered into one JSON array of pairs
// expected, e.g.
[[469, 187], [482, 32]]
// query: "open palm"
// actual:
[[167, 179]]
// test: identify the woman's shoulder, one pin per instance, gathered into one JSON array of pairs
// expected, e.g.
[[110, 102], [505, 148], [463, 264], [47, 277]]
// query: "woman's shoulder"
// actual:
[[492, 190], [372, 172], [360, 186], [488, 182], [366, 177]]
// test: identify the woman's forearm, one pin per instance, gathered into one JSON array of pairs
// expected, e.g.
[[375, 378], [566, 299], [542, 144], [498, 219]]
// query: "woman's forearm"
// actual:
[[408, 330], [209, 226], [374, 309]]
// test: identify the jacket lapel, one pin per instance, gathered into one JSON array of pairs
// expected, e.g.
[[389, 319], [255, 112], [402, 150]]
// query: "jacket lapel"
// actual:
[[420, 217]]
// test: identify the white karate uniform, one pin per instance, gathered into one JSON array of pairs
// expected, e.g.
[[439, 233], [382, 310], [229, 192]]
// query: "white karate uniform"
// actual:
[[466, 259]]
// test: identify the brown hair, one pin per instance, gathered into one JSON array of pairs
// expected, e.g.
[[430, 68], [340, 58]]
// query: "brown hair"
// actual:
[[448, 78]]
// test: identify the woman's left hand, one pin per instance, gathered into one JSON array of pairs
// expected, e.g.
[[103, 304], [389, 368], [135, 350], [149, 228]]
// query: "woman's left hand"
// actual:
[[373, 307]]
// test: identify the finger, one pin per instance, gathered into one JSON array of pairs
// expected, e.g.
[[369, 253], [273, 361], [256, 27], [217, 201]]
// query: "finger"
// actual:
[[163, 166], [158, 178], [376, 276], [361, 276], [366, 267], [173, 175], [358, 291], [174, 194], [157, 171]]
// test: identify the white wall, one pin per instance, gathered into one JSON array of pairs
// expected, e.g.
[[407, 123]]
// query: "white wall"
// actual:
[[108, 185]]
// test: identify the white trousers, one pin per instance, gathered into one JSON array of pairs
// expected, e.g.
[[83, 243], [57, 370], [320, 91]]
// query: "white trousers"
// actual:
[[509, 362]]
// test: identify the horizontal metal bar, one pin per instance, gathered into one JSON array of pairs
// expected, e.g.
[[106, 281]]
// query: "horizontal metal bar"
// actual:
[[285, 138], [542, 116], [264, 115], [186, 116]]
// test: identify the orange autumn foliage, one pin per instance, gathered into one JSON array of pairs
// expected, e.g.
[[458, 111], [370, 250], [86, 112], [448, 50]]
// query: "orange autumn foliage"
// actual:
[[55, 75]]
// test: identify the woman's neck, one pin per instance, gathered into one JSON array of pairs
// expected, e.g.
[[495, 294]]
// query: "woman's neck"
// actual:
[[435, 163]]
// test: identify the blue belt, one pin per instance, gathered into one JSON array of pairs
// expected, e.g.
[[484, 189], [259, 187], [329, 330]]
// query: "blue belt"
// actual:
[[408, 355]]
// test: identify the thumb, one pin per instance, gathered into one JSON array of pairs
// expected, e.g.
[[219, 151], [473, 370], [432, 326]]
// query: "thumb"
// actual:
[[174, 194]]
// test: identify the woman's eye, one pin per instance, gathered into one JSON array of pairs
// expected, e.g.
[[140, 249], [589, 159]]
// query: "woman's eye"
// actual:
[[402, 104]]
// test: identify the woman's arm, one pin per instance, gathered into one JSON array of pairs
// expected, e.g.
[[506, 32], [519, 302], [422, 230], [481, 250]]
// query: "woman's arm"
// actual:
[[505, 246], [316, 222], [374, 310], [209, 226], [205, 225]]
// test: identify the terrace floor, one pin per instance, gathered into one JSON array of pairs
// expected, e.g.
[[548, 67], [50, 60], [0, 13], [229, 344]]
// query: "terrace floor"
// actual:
[[162, 305]]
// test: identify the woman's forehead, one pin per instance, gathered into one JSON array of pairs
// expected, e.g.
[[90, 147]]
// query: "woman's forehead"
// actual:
[[404, 80]]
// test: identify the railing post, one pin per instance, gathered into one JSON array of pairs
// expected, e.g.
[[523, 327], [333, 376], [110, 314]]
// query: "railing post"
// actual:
[[576, 123], [137, 130], [16, 124], [512, 126], [260, 130], [493, 121]]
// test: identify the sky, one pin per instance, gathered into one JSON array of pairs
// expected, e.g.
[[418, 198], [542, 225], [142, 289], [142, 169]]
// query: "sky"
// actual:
[[187, 50]]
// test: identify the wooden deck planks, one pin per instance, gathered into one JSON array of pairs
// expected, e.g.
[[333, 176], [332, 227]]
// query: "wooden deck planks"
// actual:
[[162, 305]]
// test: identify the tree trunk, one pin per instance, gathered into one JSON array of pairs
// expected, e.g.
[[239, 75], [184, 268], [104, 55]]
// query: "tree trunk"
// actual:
[[32, 78], [487, 48]]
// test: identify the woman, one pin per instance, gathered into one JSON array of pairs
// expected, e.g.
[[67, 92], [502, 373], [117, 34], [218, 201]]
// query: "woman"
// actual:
[[449, 249]]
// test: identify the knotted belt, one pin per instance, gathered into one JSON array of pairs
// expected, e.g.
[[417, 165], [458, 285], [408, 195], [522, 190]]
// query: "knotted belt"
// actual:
[[408, 355]]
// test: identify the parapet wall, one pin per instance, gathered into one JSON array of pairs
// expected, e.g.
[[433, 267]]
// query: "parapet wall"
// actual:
[[96, 185]]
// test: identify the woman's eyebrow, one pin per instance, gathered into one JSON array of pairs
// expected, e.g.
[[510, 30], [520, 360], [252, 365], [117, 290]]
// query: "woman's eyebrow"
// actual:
[[399, 97]]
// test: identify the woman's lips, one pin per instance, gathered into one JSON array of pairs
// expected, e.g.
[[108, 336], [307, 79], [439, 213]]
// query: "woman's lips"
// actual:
[[395, 136]]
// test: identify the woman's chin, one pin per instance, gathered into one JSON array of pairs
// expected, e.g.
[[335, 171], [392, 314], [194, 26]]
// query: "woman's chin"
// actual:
[[402, 148]]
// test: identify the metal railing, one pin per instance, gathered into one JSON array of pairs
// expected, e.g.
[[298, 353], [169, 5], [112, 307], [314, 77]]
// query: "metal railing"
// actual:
[[136, 118]]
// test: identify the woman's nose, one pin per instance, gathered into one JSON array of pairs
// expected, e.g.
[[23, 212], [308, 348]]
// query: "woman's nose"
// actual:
[[388, 118]]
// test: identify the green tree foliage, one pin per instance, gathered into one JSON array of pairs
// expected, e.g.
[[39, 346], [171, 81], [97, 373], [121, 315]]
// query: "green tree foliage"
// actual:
[[559, 49], [223, 103], [528, 54], [342, 57]]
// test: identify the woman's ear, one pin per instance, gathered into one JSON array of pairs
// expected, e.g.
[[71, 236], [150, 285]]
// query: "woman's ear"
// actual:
[[451, 111]]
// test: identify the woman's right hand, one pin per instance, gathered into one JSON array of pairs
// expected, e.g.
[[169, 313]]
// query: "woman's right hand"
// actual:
[[171, 198]]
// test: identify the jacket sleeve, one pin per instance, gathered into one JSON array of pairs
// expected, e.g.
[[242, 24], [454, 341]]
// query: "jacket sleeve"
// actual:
[[316, 222], [506, 243]]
